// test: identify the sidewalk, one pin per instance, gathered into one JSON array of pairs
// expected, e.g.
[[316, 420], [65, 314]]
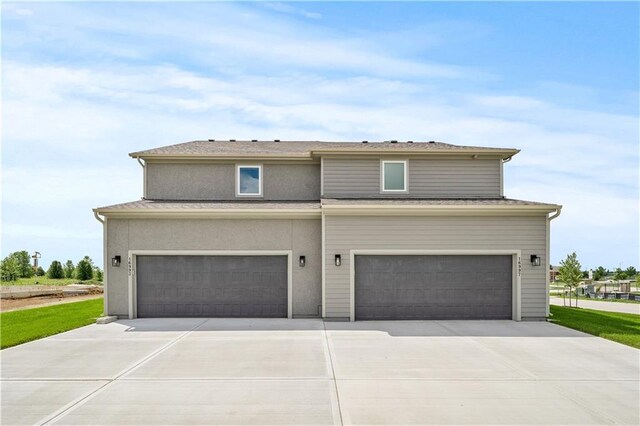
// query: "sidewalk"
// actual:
[[627, 308]]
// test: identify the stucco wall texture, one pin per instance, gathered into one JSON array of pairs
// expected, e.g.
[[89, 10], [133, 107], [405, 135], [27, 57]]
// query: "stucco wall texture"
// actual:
[[301, 236]]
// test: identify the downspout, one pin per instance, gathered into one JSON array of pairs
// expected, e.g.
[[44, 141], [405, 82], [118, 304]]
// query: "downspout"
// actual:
[[105, 266], [144, 177], [548, 262]]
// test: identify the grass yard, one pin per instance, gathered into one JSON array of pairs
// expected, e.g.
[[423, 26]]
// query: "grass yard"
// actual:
[[619, 327], [48, 281], [31, 324]]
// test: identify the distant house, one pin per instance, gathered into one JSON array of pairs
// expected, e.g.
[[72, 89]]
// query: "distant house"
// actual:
[[553, 273]]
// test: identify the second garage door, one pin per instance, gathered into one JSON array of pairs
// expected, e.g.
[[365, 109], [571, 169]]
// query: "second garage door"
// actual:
[[212, 286], [433, 287]]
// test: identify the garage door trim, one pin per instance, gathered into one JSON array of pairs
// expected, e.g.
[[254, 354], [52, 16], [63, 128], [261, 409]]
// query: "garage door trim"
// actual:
[[133, 285], [516, 268]]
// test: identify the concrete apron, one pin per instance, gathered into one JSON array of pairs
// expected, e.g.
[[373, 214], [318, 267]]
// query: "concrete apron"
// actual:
[[258, 371]]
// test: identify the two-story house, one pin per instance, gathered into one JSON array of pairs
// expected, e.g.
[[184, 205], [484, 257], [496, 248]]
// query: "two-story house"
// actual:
[[338, 230]]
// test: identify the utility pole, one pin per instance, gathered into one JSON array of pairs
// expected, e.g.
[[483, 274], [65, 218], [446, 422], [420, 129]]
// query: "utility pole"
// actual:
[[35, 258]]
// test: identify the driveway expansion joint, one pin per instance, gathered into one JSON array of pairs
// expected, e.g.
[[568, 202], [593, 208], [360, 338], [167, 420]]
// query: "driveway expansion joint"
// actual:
[[83, 399]]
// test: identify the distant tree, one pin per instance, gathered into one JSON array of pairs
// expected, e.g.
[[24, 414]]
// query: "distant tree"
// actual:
[[585, 274], [599, 273], [631, 272], [55, 271], [9, 269], [97, 274], [570, 273], [84, 269], [69, 268], [619, 274], [40, 272], [24, 263]]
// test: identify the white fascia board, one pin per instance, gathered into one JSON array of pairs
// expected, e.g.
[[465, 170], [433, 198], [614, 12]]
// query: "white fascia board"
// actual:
[[416, 210], [211, 213]]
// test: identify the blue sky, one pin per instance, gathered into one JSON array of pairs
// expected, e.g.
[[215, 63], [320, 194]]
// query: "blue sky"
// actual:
[[83, 84]]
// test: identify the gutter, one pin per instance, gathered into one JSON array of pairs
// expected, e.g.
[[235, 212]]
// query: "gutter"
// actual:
[[211, 213], [436, 210], [556, 214], [97, 216]]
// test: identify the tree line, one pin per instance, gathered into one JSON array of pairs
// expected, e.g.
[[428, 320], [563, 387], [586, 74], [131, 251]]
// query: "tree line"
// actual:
[[617, 274], [18, 265]]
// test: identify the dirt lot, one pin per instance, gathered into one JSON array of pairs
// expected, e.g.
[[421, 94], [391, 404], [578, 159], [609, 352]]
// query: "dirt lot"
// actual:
[[7, 305]]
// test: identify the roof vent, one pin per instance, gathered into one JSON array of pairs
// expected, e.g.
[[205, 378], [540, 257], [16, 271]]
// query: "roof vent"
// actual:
[[394, 141], [432, 141], [254, 140], [276, 140], [232, 140], [212, 140], [409, 141], [365, 141]]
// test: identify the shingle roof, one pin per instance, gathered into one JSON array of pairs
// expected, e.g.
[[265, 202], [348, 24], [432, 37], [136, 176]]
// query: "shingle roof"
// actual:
[[204, 148], [431, 202], [210, 205]]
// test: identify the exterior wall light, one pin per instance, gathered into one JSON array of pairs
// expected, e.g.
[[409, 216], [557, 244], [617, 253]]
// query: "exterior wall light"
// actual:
[[115, 261], [302, 261], [338, 260], [535, 260]]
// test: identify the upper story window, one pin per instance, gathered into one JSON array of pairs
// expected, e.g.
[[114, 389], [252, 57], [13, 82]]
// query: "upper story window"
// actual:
[[394, 175], [249, 180]]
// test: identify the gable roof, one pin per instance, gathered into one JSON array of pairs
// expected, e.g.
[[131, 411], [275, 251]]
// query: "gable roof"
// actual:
[[210, 149]]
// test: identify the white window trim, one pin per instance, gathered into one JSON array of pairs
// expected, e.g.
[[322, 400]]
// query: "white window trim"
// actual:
[[248, 166], [405, 163]]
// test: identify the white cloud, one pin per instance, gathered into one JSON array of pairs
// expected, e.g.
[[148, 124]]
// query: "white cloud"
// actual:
[[68, 126], [288, 8]]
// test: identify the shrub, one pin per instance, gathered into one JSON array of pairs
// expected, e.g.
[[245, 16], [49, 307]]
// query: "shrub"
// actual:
[[40, 272], [55, 270], [84, 269], [97, 274], [69, 269]]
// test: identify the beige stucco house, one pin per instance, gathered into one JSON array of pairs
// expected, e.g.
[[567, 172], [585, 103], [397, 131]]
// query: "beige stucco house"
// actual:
[[339, 230]]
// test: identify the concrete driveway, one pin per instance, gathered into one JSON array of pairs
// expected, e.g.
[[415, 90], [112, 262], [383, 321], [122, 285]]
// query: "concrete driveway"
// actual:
[[242, 371]]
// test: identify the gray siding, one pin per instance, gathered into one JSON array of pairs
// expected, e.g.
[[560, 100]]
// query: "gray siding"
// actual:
[[435, 178], [300, 236], [214, 181], [525, 233]]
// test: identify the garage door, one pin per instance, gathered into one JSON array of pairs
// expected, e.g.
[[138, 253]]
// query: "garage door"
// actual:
[[212, 286], [433, 287]]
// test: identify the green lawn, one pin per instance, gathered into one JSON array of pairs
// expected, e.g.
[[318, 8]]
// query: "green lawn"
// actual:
[[619, 327], [30, 324], [48, 281]]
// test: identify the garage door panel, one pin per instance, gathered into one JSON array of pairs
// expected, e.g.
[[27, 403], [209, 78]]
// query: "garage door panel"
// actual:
[[433, 287], [212, 286]]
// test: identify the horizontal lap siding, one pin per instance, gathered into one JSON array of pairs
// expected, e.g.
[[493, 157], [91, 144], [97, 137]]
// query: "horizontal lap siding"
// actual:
[[447, 178], [525, 233]]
